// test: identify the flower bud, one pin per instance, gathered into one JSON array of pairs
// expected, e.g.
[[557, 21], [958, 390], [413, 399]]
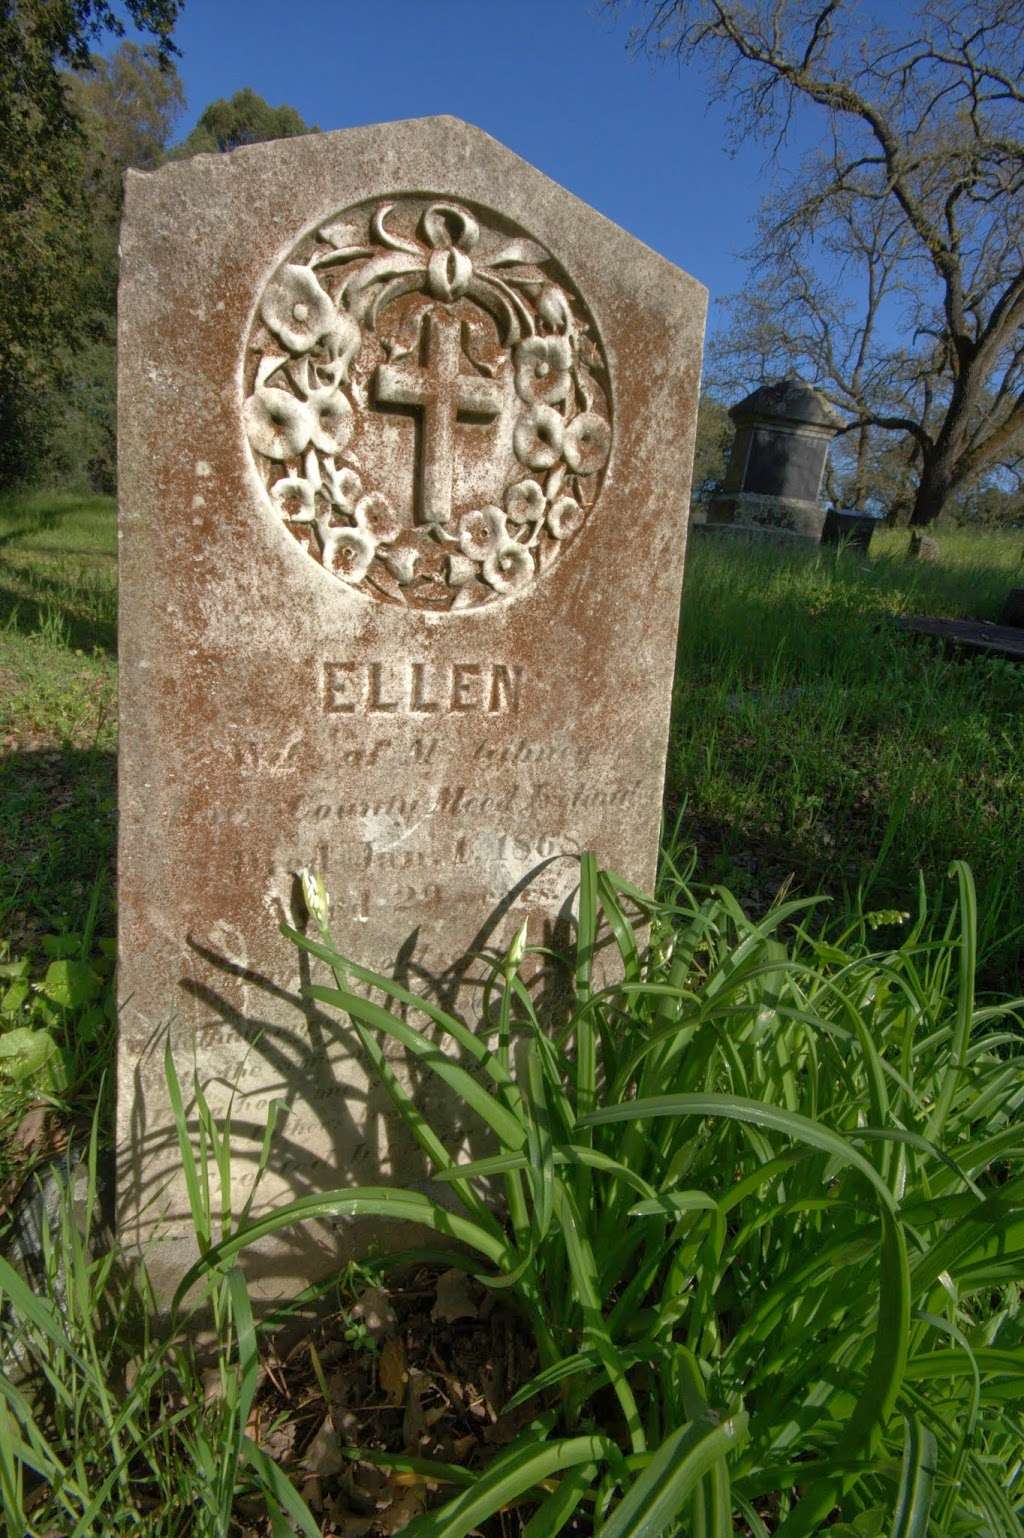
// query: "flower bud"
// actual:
[[314, 894]]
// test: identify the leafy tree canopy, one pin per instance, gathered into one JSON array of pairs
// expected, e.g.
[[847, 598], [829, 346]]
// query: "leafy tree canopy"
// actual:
[[45, 208], [244, 118]]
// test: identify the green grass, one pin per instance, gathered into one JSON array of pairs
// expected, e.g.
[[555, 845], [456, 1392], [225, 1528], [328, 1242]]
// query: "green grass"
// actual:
[[58, 615], [763, 1216], [800, 1262], [58, 612], [812, 742]]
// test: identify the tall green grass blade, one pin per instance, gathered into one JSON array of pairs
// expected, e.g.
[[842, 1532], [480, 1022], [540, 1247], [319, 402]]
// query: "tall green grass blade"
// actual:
[[198, 1195], [562, 1504], [757, 1112], [449, 1024], [968, 960], [657, 1496], [366, 1201], [917, 1482], [506, 1480], [586, 1282], [279, 1492], [507, 1127]]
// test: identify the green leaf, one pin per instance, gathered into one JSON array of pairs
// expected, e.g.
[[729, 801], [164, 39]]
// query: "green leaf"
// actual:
[[61, 947], [656, 1496], [673, 1204], [278, 1490], [71, 983], [917, 1482], [759, 1112], [14, 998], [502, 1122], [27, 1055], [356, 1201], [556, 1511], [508, 1478]]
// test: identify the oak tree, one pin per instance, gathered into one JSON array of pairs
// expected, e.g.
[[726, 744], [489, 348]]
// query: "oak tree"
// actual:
[[890, 262]]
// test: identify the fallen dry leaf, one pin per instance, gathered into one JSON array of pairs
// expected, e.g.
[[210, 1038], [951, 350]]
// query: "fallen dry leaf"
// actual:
[[366, 1487], [323, 1455], [392, 1371], [454, 1300], [346, 1524], [278, 1441], [414, 1424], [408, 1503], [373, 1307]]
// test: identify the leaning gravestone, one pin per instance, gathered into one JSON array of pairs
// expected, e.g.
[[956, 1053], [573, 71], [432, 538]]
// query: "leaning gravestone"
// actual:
[[405, 444]]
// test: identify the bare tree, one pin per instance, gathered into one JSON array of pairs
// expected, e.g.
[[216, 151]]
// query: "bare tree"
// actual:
[[890, 265]]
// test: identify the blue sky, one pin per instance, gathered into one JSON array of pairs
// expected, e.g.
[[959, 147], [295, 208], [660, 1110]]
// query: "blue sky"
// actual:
[[552, 79]]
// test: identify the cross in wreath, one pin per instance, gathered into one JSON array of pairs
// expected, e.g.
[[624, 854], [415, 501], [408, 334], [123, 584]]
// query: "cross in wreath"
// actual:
[[440, 395]]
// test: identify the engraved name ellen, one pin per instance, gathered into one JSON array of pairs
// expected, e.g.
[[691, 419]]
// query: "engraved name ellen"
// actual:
[[421, 689]]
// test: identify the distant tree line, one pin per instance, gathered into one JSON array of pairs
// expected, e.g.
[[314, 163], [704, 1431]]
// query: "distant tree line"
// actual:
[[71, 123]]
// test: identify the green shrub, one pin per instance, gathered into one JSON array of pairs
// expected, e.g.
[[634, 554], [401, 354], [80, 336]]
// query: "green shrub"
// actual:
[[761, 1212]]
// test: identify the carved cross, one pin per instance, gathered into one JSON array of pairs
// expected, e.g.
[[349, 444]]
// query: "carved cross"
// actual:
[[437, 389]]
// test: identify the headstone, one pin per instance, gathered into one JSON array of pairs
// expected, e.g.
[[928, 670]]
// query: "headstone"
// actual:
[[922, 547], [973, 636], [850, 528], [777, 461], [403, 482], [1012, 612]]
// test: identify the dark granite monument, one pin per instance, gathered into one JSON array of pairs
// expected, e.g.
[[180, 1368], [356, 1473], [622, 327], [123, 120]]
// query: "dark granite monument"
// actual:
[[777, 462]]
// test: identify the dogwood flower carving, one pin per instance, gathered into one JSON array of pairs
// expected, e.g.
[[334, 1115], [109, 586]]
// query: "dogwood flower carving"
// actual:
[[433, 310]]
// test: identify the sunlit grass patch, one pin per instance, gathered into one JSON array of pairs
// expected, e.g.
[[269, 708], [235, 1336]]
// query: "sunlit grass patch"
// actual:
[[757, 1197], [811, 739]]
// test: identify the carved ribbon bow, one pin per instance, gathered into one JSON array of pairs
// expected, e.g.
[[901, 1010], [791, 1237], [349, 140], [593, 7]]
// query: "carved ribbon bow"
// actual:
[[440, 264]]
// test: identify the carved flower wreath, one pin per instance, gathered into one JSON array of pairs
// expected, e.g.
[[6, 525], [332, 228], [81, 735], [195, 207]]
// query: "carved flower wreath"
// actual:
[[306, 396]]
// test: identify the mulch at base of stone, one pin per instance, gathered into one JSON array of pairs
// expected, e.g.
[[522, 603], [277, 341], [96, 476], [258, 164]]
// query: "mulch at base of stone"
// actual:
[[423, 1368]]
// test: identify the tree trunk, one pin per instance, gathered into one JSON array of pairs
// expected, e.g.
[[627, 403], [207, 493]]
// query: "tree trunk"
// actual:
[[942, 466], [933, 491]]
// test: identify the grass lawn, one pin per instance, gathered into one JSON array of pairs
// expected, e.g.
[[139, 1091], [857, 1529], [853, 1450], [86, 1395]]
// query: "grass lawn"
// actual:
[[813, 742], [764, 1205], [58, 677]]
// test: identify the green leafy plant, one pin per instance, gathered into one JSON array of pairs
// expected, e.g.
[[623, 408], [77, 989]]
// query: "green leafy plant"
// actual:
[[54, 1015], [762, 1209], [109, 1423]]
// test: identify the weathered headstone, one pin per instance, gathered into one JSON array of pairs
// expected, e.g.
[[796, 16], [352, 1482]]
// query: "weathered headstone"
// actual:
[[403, 483], [777, 461]]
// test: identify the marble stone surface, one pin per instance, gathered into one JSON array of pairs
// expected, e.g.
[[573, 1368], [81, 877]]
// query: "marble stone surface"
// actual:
[[406, 433]]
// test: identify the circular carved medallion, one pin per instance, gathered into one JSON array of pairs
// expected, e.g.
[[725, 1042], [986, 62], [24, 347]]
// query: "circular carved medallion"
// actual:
[[427, 403]]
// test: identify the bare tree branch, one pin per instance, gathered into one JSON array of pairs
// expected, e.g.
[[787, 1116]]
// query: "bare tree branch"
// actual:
[[889, 268]]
